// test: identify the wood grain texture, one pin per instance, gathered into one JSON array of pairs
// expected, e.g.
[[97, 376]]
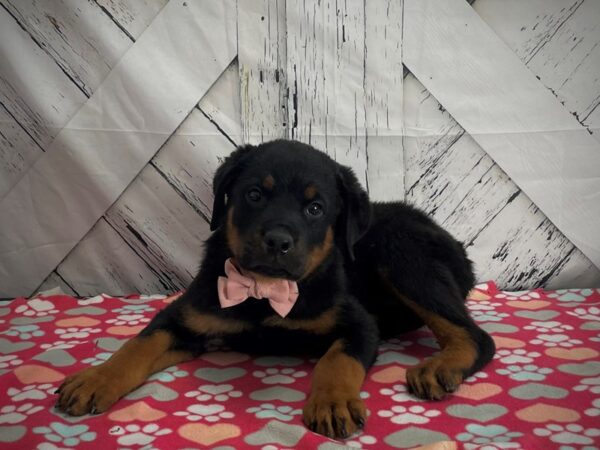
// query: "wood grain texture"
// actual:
[[483, 134], [383, 77], [132, 16], [325, 73], [262, 62], [175, 77]]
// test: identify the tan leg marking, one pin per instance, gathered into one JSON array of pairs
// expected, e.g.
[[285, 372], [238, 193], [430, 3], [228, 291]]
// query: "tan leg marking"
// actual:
[[334, 407], [443, 373], [210, 324], [97, 388]]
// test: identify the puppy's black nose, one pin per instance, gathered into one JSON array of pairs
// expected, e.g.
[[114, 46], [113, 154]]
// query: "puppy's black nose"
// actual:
[[278, 240]]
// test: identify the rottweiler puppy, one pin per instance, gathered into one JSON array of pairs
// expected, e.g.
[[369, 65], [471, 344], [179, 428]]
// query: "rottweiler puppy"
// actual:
[[301, 262]]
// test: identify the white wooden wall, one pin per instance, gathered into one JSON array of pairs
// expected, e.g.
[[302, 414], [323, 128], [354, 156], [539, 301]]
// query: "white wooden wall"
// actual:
[[114, 115]]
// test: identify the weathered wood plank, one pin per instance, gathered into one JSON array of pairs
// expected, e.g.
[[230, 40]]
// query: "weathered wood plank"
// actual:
[[17, 151], [325, 51], [160, 226], [263, 71], [563, 47], [103, 259], [132, 16], [84, 53], [384, 100], [222, 105], [175, 76], [41, 101], [528, 117], [54, 280]]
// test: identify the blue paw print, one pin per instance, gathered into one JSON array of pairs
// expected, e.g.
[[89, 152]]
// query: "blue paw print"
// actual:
[[525, 373], [169, 374], [131, 309], [98, 359], [269, 411], [70, 436], [488, 316], [24, 331], [486, 434]]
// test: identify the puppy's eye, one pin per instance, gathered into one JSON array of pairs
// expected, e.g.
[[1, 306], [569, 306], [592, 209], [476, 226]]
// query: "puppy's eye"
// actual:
[[254, 195], [315, 209]]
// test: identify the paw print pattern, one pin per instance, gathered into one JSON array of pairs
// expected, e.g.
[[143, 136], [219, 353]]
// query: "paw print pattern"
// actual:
[[496, 435], [24, 332], [128, 319], [71, 436], [545, 327], [594, 411], [589, 384], [482, 305], [359, 441], [61, 345], [36, 308], [135, 435], [525, 373], [10, 414], [134, 309], [488, 316], [77, 333], [9, 361], [568, 434], [586, 313], [519, 295], [476, 376], [169, 374], [269, 411], [218, 392], [399, 393], [31, 392], [279, 376], [98, 359], [508, 356], [555, 340], [209, 413], [413, 414]]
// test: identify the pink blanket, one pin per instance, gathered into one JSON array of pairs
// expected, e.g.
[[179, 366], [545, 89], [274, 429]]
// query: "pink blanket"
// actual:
[[541, 391]]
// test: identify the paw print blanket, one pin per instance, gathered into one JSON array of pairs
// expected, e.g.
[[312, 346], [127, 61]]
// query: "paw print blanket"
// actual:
[[542, 390]]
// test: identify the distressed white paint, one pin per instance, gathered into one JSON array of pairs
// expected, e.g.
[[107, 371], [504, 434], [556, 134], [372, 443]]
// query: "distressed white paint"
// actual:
[[383, 100], [81, 172], [262, 62], [133, 16], [527, 132], [325, 51]]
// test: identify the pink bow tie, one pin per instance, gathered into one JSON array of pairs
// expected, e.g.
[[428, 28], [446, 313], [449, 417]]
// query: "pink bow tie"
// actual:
[[235, 288]]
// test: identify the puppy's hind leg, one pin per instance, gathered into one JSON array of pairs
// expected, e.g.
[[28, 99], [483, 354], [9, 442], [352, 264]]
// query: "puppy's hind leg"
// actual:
[[465, 348]]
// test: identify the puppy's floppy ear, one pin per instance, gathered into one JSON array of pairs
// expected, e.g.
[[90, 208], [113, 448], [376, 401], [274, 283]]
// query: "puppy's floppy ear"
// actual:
[[355, 215], [223, 180]]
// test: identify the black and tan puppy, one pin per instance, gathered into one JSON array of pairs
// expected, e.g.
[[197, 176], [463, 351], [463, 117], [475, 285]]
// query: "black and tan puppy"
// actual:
[[295, 227]]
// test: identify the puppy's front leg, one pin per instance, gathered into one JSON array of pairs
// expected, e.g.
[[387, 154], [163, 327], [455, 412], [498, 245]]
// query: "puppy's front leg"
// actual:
[[334, 407], [95, 389]]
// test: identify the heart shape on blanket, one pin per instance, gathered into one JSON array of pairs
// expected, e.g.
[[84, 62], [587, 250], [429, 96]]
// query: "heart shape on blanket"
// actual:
[[32, 373], [137, 411], [390, 375], [573, 354], [531, 304], [224, 358], [208, 434], [125, 330], [542, 412], [505, 342], [219, 375], [79, 321], [478, 391]]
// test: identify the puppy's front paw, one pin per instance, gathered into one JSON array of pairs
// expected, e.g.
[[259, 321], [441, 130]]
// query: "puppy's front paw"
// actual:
[[334, 414], [93, 390], [433, 379]]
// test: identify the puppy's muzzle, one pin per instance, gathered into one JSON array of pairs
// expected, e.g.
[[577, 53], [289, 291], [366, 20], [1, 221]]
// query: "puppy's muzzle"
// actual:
[[278, 241]]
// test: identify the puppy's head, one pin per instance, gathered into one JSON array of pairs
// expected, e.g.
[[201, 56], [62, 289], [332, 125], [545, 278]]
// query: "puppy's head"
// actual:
[[284, 206]]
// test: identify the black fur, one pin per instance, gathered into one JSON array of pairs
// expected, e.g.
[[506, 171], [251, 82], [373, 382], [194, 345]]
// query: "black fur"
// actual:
[[380, 250]]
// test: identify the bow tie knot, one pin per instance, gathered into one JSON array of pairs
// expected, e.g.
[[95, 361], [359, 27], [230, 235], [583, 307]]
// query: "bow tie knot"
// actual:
[[235, 288]]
